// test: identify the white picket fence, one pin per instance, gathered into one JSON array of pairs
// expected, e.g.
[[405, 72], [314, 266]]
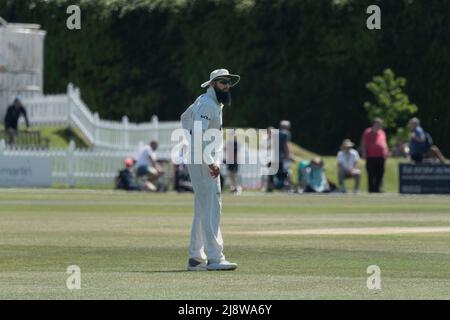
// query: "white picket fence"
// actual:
[[70, 110], [75, 167], [92, 167]]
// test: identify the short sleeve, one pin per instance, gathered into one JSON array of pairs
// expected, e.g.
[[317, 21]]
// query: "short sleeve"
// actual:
[[339, 157], [420, 133], [356, 155]]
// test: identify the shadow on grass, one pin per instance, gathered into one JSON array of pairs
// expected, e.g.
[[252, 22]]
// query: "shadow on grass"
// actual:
[[68, 134]]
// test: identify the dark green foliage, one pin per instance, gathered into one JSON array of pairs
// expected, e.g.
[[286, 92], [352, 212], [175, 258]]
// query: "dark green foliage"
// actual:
[[390, 102], [303, 60]]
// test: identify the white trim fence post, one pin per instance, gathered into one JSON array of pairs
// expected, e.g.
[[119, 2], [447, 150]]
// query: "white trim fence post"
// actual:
[[77, 92], [70, 164], [96, 128], [126, 137], [69, 103], [155, 127], [2, 147]]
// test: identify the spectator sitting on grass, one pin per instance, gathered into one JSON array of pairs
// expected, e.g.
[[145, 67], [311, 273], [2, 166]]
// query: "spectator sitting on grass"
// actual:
[[126, 180], [312, 176], [421, 145], [400, 149], [148, 169], [182, 181]]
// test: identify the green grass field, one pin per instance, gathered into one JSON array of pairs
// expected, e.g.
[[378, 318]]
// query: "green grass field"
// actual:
[[134, 246]]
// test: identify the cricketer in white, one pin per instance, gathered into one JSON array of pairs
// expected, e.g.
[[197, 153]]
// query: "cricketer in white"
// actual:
[[205, 234]]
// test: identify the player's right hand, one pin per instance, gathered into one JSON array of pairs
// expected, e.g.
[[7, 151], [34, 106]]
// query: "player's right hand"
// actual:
[[214, 170]]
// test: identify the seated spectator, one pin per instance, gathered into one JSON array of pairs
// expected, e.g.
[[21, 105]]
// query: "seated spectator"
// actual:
[[301, 174], [421, 144], [126, 180], [148, 169], [400, 149], [312, 176], [182, 180], [11, 120], [347, 160]]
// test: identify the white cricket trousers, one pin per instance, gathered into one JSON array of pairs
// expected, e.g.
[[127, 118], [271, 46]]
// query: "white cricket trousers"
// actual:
[[205, 234]]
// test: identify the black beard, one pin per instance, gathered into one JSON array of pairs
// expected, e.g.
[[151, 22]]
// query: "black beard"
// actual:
[[223, 97]]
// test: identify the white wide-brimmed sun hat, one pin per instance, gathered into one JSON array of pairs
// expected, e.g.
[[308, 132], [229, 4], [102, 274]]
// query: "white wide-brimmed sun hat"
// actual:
[[222, 73], [347, 143]]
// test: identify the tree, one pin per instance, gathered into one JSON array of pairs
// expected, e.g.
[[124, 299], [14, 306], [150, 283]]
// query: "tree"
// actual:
[[391, 103]]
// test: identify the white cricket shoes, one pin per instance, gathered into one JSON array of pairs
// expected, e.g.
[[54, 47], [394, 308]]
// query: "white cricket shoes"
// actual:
[[221, 266]]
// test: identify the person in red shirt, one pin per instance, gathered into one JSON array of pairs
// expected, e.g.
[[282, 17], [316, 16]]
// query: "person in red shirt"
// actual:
[[375, 150]]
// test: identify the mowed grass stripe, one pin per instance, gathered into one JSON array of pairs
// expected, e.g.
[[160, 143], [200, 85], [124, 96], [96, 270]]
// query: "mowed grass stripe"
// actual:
[[134, 246]]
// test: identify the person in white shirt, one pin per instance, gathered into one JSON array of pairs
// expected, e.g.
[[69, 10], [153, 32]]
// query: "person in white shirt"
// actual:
[[347, 160], [206, 246], [148, 166]]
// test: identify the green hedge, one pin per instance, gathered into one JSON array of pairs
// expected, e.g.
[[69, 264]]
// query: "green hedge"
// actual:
[[305, 60]]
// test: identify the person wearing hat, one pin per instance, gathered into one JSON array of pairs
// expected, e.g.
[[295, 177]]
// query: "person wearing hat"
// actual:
[[206, 245], [11, 119], [347, 160]]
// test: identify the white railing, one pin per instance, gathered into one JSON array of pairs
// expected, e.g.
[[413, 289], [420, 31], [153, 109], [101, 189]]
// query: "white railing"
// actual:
[[70, 110], [85, 167], [47, 110]]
